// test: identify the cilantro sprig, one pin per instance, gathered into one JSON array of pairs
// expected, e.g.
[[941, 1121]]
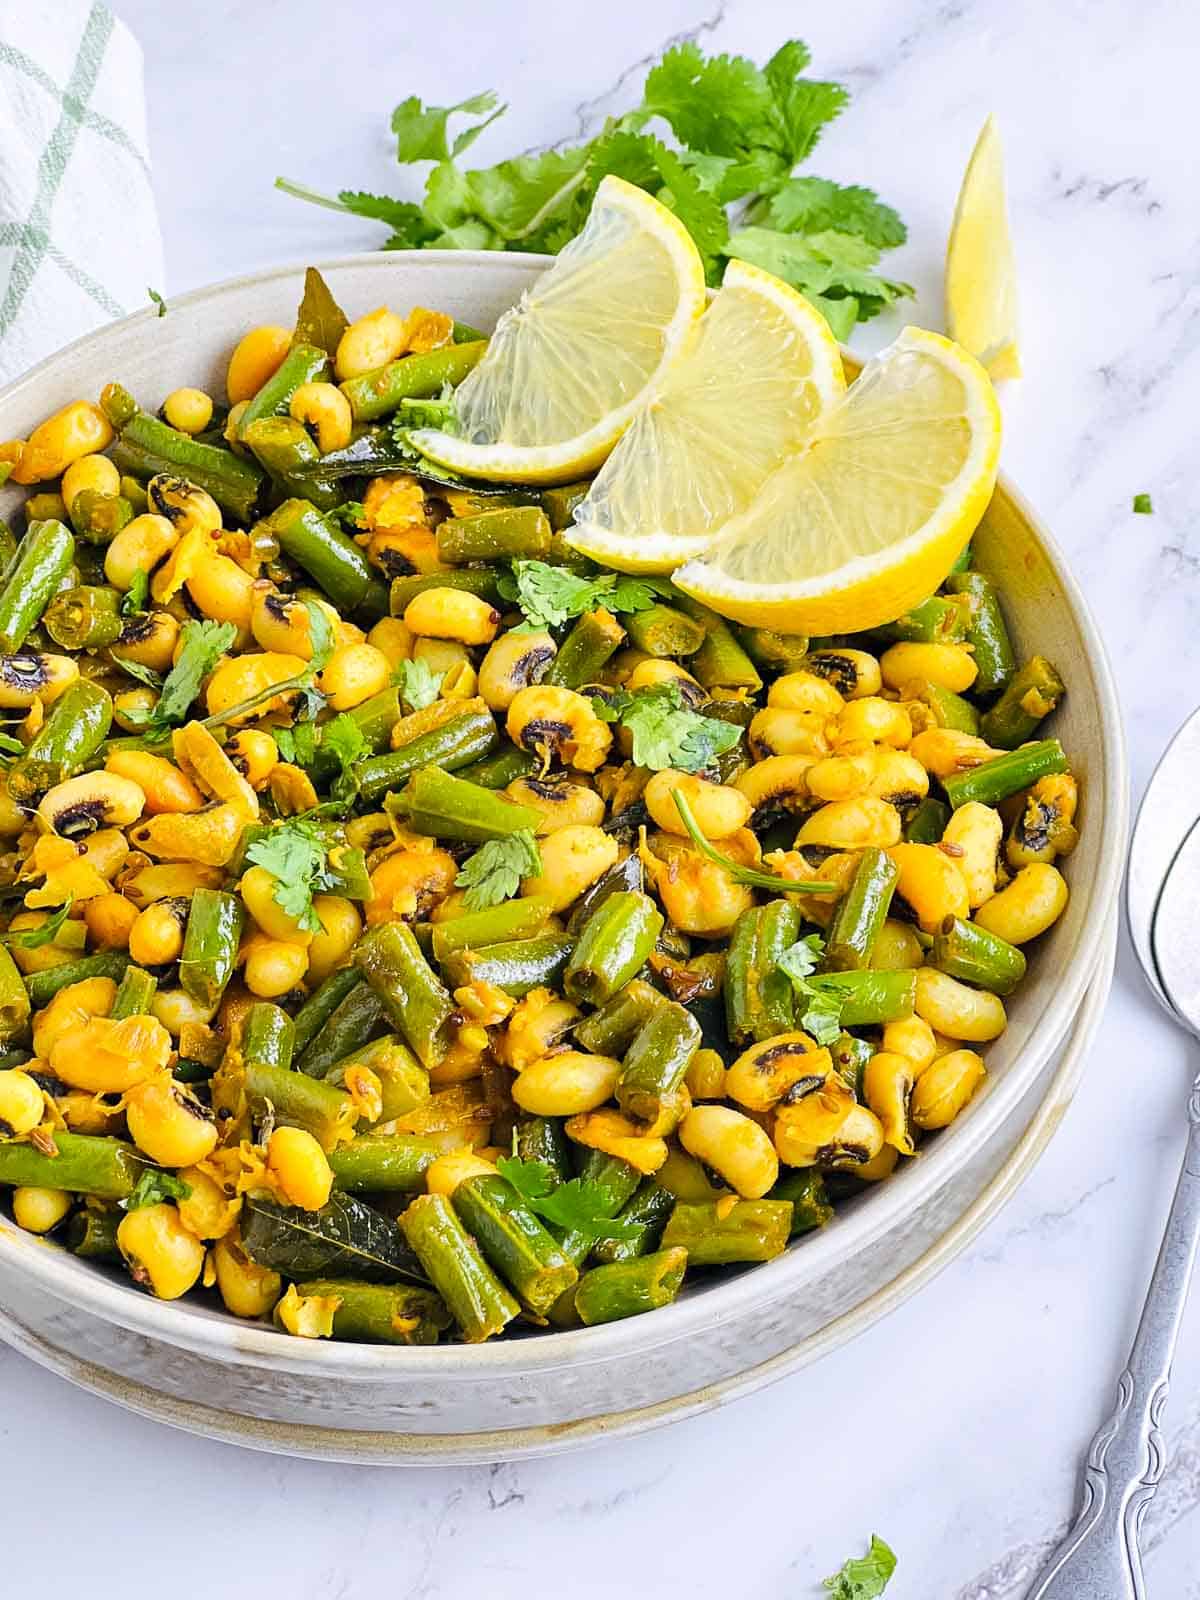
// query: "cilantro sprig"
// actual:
[[202, 644], [821, 1002], [43, 934], [750, 876], [494, 872], [666, 732], [418, 683], [738, 131], [576, 1206], [866, 1577], [549, 596], [294, 853], [153, 1187], [136, 598]]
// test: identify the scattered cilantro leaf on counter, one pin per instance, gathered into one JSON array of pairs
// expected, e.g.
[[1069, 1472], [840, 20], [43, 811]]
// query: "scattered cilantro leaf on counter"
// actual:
[[133, 603], [576, 1206], [294, 854], [738, 131], [202, 646], [867, 1577], [418, 684], [495, 870], [1143, 505], [665, 732], [153, 1187], [157, 299], [35, 938]]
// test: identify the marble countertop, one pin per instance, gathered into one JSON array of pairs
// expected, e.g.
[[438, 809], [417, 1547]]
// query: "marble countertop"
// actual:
[[954, 1427]]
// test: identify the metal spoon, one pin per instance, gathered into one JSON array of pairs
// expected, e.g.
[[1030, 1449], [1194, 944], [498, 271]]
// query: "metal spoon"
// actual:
[[1099, 1558]]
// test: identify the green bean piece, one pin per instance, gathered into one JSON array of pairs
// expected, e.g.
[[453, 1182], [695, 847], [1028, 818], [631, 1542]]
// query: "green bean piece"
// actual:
[[647, 1212], [135, 493], [482, 581], [720, 662], [507, 533], [332, 560], [1030, 696], [289, 454], [927, 823], [445, 807], [414, 997], [145, 447], [613, 948], [514, 1243], [1007, 774], [76, 727], [513, 919], [626, 874], [354, 1018], [581, 657], [417, 377], [613, 1183], [268, 1037], [403, 1081], [290, 1098], [14, 1055], [464, 333], [321, 1004], [135, 994], [971, 953], [501, 768], [43, 986], [777, 652], [374, 718], [872, 996], [657, 1061], [92, 1233], [478, 1301], [561, 504], [861, 912], [750, 1230], [759, 999], [949, 710], [850, 1055], [542, 1139], [304, 363], [663, 631], [85, 1164], [85, 618], [514, 965], [628, 1288], [464, 739], [938, 620], [379, 1313], [8, 543], [384, 1163], [611, 1030], [804, 1188], [210, 945], [15, 1008], [31, 578], [98, 517], [987, 633]]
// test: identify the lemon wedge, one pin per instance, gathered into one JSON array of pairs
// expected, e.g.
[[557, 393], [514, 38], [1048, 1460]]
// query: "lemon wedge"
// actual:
[[981, 275], [868, 519], [758, 370], [572, 362]]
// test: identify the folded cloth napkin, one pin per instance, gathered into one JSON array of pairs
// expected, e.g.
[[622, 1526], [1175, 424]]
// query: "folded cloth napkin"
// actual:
[[79, 239]]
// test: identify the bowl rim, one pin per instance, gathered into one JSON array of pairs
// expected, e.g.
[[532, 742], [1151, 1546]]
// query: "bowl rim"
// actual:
[[212, 1333]]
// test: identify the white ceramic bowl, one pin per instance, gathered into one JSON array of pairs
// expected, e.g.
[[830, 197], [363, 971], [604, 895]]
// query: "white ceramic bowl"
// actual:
[[532, 1394]]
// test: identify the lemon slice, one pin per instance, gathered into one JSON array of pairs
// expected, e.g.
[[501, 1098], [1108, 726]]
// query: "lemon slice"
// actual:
[[981, 276], [869, 518], [758, 370], [570, 364]]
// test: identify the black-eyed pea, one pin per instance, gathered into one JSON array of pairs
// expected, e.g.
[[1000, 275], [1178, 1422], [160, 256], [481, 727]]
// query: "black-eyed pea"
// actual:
[[618, 1135], [161, 1254], [871, 718], [1044, 827], [441, 655], [853, 673], [341, 925], [734, 1146], [857, 1142], [256, 357], [243, 677], [445, 1173], [371, 341], [549, 721], [354, 674], [879, 1167], [297, 1164], [165, 787], [131, 707], [139, 547], [22, 1105], [157, 935], [705, 1077], [776, 731], [189, 410], [566, 1084], [96, 474], [718, 809], [258, 891], [655, 670], [254, 754], [452, 614], [945, 751], [956, 1010], [109, 919], [91, 800], [774, 1068], [899, 779], [150, 640], [887, 1087], [845, 775], [176, 1010], [273, 966], [207, 1211], [30, 676], [282, 623], [222, 591], [805, 691], [949, 666], [896, 947], [168, 1123], [514, 662], [686, 1178], [79, 429], [807, 1120], [71, 1006], [931, 883], [324, 407], [246, 1289], [560, 802], [911, 1037], [944, 1089], [852, 825], [975, 831], [39, 1210], [777, 781], [1031, 903], [396, 639], [573, 858], [700, 897]]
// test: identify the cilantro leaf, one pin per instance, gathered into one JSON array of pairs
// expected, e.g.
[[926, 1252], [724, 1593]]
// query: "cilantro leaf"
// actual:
[[35, 938], [153, 1187], [294, 854], [350, 514], [133, 603], [422, 131], [1143, 505], [157, 299], [321, 636], [495, 870], [418, 684], [867, 1577], [202, 644], [811, 205], [825, 265], [822, 1000], [666, 733], [344, 740], [576, 1206], [146, 675], [549, 596], [297, 744]]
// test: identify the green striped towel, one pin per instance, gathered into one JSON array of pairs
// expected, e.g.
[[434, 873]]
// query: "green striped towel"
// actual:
[[79, 239]]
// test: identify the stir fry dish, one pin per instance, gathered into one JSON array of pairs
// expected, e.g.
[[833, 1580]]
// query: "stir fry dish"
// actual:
[[416, 929]]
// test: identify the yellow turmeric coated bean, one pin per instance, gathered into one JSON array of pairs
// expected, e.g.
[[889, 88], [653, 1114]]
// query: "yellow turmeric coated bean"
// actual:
[[222, 590], [887, 1087], [353, 675], [189, 410], [79, 429], [95, 473], [139, 547], [246, 1289], [911, 1037], [299, 1166], [273, 966], [341, 925], [165, 787], [869, 717], [566, 1084], [452, 614], [944, 1089], [40, 1210], [734, 1146], [256, 357], [950, 666], [573, 858], [324, 407], [372, 341], [931, 883], [973, 836], [805, 691], [718, 809], [958, 1011], [852, 825], [257, 889], [161, 1254], [1031, 903]]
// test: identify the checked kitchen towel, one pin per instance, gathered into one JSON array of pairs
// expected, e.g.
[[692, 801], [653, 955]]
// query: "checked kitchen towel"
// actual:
[[79, 239]]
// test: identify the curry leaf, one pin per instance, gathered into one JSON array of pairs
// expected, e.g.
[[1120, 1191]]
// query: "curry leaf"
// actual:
[[344, 1239]]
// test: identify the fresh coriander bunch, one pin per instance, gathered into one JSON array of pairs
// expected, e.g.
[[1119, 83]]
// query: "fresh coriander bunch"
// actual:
[[737, 134]]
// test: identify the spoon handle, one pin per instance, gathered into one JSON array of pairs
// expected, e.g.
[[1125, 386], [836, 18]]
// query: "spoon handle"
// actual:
[[1099, 1558]]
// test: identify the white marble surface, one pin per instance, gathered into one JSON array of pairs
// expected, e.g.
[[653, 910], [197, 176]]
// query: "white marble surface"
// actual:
[[953, 1428]]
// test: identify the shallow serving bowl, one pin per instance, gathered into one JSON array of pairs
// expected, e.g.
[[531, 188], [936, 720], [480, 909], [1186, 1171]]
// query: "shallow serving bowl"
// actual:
[[199, 1368]]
